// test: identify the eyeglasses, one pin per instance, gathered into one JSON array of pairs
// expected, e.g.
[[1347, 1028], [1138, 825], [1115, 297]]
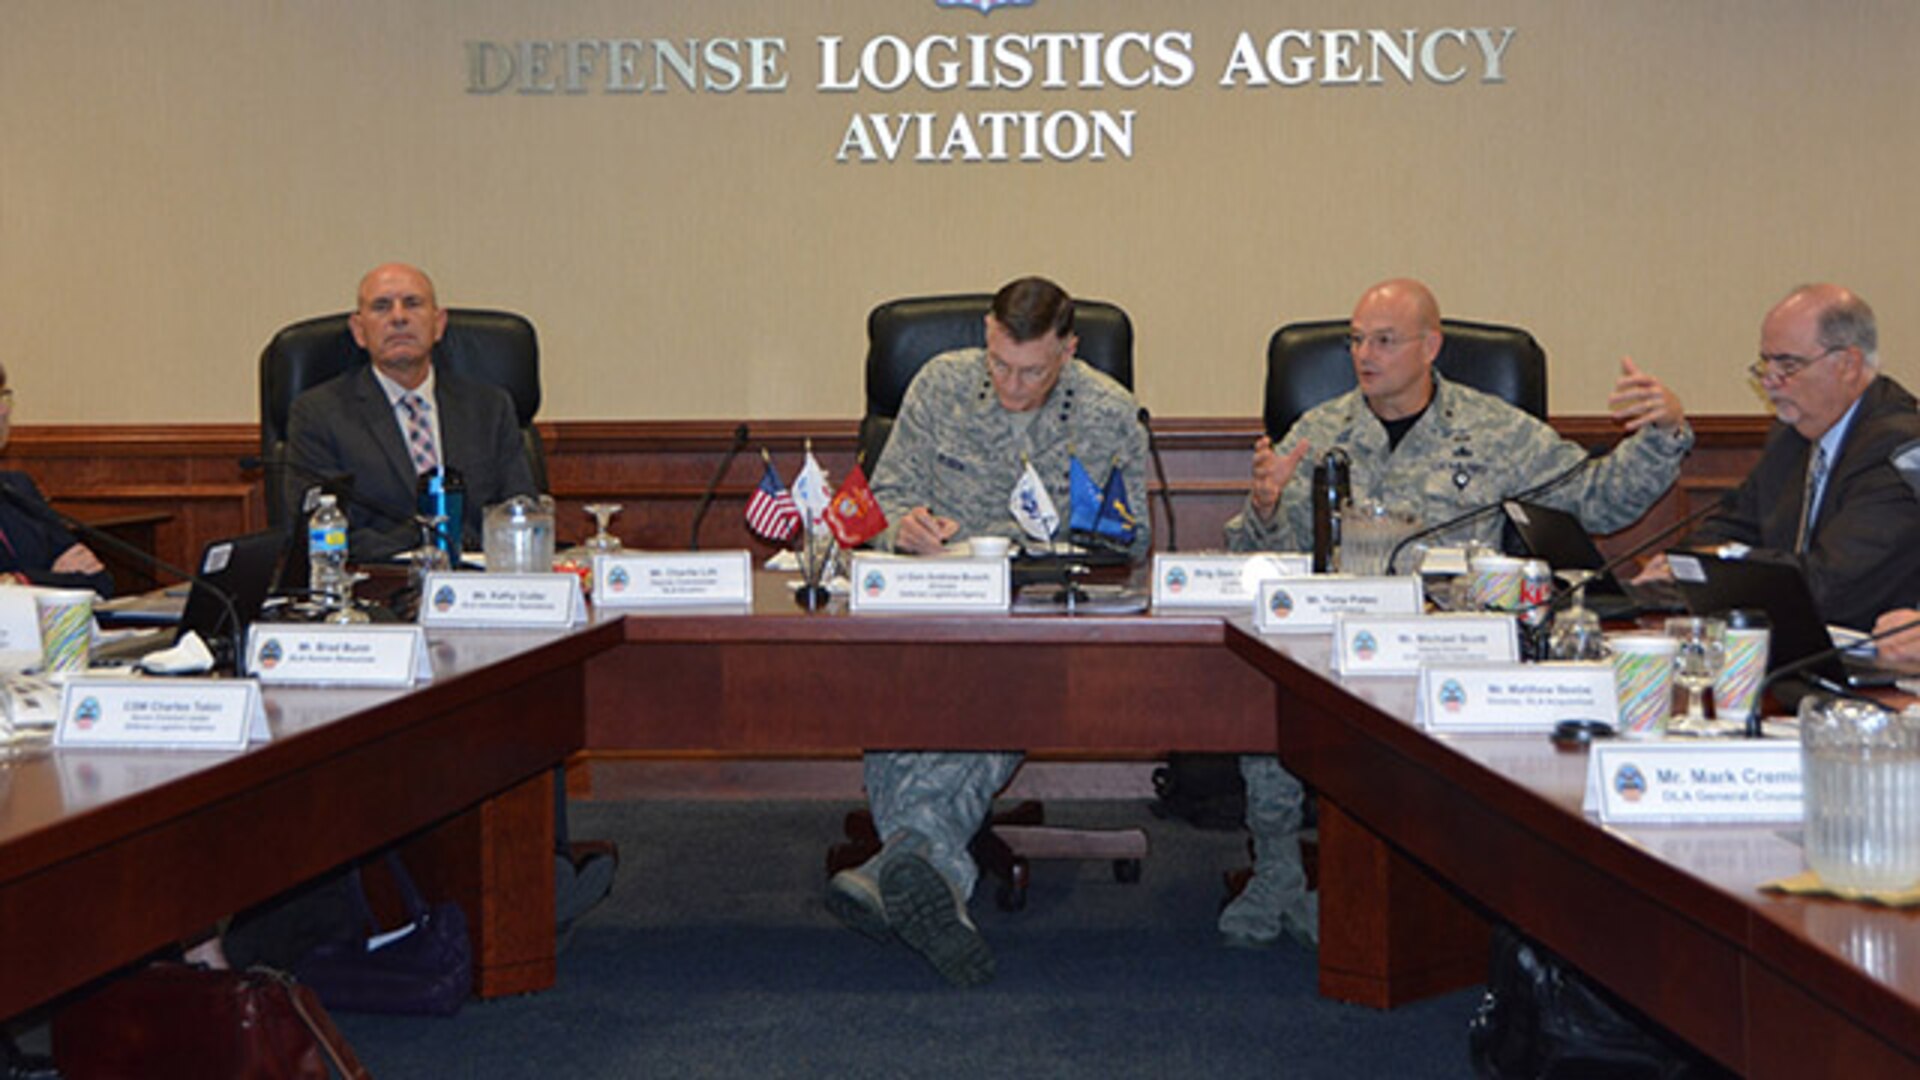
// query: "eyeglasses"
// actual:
[[1783, 368], [1381, 340]]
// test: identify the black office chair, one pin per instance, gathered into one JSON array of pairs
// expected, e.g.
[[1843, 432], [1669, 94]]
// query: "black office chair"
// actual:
[[1308, 363], [497, 347], [902, 335]]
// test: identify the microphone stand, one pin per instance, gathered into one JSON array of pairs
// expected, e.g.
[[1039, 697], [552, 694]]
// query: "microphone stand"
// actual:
[[740, 435], [49, 515], [1160, 470]]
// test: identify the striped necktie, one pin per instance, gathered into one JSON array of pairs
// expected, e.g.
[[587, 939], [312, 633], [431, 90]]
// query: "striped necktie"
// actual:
[[1810, 501], [419, 432]]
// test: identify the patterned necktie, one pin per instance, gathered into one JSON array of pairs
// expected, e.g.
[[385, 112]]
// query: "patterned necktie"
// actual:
[[1810, 502], [419, 432]]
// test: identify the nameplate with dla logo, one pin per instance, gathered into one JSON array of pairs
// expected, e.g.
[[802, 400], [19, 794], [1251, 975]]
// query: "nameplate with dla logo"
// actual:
[[482, 600], [1400, 645], [1307, 605], [1217, 581], [1694, 782], [324, 654], [955, 586], [673, 579], [162, 714], [19, 627], [1514, 697]]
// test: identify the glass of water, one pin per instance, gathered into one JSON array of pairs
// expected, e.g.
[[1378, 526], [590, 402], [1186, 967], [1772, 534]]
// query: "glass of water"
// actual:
[[1576, 633], [1703, 648]]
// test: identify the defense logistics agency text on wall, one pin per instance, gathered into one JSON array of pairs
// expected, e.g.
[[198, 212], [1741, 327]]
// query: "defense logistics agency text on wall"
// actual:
[[980, 66]]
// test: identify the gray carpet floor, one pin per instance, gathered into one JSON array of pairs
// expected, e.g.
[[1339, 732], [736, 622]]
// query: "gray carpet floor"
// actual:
[[716, 957]]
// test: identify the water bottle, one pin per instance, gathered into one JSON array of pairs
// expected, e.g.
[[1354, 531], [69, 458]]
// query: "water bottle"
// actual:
[[327, 549], [1332, 492]]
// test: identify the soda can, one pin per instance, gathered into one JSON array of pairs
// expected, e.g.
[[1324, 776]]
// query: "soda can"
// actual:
[[1536, 588]]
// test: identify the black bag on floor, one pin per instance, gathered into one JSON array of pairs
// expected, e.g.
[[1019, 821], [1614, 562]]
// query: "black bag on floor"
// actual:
[[427, 972], [1204, 789], [1543, 1020]]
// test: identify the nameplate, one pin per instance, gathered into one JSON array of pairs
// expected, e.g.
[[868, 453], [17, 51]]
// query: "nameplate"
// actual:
[[888, 583], [673, 579], [1513, 697], [1400, 645], [1218, 581], [161, 714], [19, 628], [476, 600], [1736, 780], [1306, 605], [327, 655]]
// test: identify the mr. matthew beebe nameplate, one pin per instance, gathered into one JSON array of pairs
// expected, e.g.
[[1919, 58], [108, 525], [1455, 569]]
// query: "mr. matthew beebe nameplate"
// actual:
[[903, 583]]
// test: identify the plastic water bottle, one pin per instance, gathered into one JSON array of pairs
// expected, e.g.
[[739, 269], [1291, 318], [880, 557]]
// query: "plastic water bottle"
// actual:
[[327, 549]]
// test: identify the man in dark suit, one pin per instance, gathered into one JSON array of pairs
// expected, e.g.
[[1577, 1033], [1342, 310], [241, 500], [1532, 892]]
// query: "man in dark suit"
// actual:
[[34, 548], [396, 418], [1825, 494]]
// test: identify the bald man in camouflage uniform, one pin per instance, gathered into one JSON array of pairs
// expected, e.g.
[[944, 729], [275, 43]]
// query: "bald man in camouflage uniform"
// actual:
[[970, 421], [1436, 448]]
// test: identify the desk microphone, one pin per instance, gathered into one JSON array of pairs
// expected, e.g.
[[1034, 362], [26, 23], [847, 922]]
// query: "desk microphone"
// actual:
[[46, 514], [1160, 470], [1821, 681], [1479, 512], [706, 499]]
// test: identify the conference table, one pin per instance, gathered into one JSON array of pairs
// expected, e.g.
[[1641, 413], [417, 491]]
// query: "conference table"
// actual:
[[1423, 838]]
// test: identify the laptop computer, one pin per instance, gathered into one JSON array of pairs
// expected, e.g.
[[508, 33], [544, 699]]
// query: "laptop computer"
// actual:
[[1560, 539], [242, 567], [1713, 584]]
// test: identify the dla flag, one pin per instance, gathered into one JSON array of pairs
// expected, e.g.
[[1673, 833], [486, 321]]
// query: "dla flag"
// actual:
[[1032, 507], [810, 491]]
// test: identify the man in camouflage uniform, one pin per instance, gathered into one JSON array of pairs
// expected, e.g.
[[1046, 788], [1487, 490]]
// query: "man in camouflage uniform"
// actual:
[[971, 420], [1436, 448]]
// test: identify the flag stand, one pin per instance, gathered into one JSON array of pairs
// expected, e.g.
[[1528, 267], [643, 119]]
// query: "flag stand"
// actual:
[[812, 595]]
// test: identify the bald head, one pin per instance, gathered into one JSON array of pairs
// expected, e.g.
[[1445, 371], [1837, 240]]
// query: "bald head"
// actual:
[[398, 320], [1394, 337]]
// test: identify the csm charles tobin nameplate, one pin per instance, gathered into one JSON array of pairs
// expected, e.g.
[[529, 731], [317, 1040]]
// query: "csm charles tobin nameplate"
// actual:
[[162, 714], [905, 583]]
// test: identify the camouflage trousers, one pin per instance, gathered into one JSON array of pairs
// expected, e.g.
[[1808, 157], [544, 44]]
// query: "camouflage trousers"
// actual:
[[943, 796]]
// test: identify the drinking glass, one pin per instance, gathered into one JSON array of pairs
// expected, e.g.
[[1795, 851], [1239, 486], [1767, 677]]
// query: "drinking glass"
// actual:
[[602, 542], [1576, 634], [349, 612], [1703, 648]]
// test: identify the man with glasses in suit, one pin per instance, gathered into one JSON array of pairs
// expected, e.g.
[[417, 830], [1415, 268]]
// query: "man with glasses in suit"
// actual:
[[1825, 494]]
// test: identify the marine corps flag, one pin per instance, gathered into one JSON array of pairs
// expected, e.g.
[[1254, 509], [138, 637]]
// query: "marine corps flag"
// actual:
[[853, 515]]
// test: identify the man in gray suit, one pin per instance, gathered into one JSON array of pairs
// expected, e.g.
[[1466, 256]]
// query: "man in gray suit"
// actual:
[[396, 418]]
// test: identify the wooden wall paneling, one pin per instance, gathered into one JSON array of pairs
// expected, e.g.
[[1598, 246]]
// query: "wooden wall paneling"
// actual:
[[658, 470]]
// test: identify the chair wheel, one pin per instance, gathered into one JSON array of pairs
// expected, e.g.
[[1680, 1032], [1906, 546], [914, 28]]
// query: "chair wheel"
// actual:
[[1126, 871], [1011, 897]]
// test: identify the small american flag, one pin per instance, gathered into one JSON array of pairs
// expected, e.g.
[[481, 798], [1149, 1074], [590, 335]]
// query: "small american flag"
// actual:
[[771, 513]]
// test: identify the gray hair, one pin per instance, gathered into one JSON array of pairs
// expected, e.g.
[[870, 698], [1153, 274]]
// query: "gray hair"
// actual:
[[1847, 323]]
